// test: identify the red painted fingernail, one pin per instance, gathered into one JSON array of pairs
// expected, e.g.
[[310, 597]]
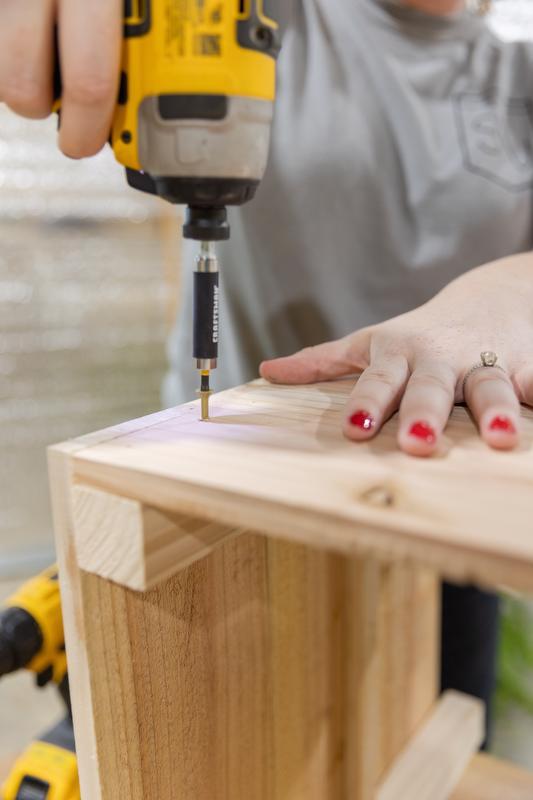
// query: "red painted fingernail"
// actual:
[[421, 430], [502, 424], [363, 420]]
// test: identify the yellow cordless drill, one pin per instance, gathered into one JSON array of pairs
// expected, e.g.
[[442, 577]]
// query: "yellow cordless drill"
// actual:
[[31, 637], [31, 630], [192, 124]]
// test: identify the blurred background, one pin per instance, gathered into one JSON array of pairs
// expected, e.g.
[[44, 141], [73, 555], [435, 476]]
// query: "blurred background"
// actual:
[[84, 293], [88, 284], [89, 278]]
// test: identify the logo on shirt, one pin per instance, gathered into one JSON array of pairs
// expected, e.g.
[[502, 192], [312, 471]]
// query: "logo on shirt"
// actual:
[[497, 138]]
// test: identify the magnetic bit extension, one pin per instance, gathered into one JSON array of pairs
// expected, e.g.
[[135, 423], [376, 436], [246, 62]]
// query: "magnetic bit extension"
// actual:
[[206, 320]]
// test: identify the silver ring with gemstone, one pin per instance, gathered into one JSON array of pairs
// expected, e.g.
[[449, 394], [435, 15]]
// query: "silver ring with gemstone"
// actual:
[[488, 359]]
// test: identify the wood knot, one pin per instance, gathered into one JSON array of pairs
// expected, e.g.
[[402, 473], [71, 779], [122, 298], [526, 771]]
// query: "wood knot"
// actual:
[[379, 497]]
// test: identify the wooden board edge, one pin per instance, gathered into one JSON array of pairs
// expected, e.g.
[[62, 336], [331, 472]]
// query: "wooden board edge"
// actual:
[[462, 565], [432, 764], [60, 476], [135, 545]]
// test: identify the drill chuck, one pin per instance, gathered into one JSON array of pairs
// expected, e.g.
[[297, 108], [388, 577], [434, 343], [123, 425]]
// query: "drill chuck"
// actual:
[[206, 224], [20, 639]]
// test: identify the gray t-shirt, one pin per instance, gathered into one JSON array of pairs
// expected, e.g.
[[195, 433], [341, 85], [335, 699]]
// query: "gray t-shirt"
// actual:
[[401, 157]]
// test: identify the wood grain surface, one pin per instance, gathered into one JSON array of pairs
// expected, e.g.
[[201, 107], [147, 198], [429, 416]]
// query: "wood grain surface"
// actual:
[[293, 663], [135, 545], [74, 619], [262, 672], [273, 459]]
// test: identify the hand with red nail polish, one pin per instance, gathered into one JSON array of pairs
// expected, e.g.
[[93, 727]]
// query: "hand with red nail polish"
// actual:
[[416, 363]]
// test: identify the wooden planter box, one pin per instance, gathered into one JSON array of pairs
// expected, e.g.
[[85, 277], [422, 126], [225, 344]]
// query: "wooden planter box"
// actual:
[[252, 604]]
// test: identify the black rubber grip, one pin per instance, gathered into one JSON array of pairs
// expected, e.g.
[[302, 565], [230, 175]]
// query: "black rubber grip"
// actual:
[[20, 639], [33, 789], [205, 325]]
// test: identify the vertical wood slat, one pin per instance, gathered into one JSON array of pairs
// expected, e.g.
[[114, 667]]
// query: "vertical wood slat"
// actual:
[[218, 683], [259, 673], [74, 622], [391, 665]]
